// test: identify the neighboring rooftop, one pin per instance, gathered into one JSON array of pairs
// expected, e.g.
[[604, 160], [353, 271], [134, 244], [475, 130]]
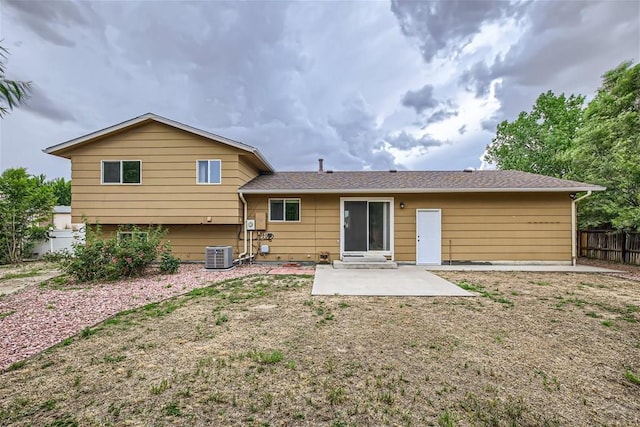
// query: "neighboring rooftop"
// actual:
[[410, 182]]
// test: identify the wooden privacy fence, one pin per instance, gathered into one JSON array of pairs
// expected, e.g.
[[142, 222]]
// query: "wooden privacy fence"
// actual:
[[608, 245]]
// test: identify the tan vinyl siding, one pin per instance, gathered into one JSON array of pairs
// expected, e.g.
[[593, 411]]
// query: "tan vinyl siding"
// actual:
[[168, 192], [475, 227], [318, 228], [189, 241], [246, 171], [491, 227]]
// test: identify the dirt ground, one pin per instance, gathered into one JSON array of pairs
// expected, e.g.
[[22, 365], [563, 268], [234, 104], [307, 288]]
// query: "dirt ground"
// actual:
[[531, 349], [16, 277], [626, 271], [37, 317]]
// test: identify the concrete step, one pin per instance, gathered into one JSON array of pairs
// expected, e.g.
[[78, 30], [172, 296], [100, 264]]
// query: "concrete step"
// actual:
[[365, 265], [364, 258]]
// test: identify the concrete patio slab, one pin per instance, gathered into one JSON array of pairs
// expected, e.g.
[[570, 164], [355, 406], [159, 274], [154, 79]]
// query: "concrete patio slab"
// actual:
[[522, 267], [406, 280]]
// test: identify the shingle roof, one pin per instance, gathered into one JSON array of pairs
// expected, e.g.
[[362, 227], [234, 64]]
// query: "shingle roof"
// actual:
[[410, 182]]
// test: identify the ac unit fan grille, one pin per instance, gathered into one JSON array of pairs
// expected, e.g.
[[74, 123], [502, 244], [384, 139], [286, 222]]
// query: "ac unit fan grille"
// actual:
[[218, 257]]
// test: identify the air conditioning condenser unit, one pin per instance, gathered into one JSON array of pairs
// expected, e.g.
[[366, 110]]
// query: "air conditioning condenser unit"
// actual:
[[218, 257]]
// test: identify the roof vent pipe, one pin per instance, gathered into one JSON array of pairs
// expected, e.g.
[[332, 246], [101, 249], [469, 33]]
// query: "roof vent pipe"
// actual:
[[320, 170]]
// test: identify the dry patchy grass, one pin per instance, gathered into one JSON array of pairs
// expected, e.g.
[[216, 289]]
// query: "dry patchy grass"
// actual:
[[531, 349], [14, 277]]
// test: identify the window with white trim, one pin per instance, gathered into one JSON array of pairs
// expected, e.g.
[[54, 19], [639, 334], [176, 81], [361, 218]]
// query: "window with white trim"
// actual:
[[209, 171], [285, 210], [121, 172]]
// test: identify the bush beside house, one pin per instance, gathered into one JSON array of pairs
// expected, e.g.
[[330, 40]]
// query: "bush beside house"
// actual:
[[128, 253]]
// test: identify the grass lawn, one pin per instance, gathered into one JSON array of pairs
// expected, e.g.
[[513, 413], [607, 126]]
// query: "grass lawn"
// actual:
[[16, 277], [531, 349]]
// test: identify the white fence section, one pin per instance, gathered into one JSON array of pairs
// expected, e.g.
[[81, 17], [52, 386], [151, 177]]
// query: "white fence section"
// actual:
[[58, 240]]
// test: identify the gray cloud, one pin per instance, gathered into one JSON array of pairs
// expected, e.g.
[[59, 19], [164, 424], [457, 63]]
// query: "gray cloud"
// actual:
[[566, 47], [438, 116], [448, 24], [42, 17], [229, 76], [563, 36], [292, 146], [490, 125], [477, 78], [405, 141], [65, 12], [465, 152], [557, 52], [282, 76], [356, 127], [40, 104], [421, 99]]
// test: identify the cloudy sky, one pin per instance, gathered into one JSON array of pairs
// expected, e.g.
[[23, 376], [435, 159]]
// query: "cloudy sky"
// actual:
[[365, 85]]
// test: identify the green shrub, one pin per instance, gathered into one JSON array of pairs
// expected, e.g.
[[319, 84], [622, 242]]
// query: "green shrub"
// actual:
[[168, 263], [128, 253], [58, 256]]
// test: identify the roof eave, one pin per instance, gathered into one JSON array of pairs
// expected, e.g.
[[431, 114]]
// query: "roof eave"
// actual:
[[422, 190], [57, 149], [54, 149]]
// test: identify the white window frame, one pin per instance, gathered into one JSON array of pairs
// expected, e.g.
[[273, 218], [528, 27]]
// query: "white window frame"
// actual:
[[284, 207], [392, 231], [121, 172], [132, 234], [208, 171]]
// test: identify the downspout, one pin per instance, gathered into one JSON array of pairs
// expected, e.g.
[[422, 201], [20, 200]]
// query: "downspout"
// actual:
[[574, 235], [244, 226]]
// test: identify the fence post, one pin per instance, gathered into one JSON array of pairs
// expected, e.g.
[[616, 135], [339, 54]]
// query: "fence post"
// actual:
[[623, 244]]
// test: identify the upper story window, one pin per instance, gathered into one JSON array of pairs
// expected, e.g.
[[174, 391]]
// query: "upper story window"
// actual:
[[209, 171], [121, 172], [284, 210]]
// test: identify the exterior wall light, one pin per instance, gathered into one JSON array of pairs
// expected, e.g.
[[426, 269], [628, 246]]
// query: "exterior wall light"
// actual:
[[402, 205]]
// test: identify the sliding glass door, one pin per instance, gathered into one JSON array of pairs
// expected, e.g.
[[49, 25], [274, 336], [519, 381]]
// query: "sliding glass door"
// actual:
[[367, 226]]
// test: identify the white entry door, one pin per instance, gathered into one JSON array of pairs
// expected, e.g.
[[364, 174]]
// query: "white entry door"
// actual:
[[428, 236]]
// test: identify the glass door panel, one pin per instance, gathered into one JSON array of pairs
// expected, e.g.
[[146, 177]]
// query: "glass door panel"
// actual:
[[379, 230], [355, 226]]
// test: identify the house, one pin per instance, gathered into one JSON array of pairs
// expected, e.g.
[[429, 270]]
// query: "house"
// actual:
[[203, 188]]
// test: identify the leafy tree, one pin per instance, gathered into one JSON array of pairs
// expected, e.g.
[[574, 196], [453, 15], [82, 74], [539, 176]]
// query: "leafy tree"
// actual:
[[25, 202], [599, 145], [12, 92], [607, 150], [537, 141], [61, 190]]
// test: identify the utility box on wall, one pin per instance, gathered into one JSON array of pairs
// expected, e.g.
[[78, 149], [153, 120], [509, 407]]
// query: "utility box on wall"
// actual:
[[261, 221]]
